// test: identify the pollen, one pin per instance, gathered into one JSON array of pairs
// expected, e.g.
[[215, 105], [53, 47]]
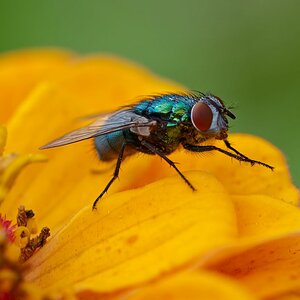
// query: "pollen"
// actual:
[[27, 227], [13, 239]]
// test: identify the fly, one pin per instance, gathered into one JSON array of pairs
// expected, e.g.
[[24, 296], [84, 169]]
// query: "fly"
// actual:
[[158, 125]]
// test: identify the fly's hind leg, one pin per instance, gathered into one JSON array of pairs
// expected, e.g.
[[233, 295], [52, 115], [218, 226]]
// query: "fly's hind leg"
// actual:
[[115, 176], [169, 161]]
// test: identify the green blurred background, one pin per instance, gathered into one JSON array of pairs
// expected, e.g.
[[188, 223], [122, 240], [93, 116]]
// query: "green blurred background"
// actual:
[[247, 52]]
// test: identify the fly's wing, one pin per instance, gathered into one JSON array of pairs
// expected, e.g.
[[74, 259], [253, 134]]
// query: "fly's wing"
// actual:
[[104, 114], [120, 120]]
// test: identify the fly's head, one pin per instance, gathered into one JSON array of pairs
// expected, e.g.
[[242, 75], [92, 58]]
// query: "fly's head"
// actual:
[[209, 117]]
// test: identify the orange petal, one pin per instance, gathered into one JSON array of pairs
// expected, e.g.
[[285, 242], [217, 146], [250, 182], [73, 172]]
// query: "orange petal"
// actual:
[[20, 72], [87, 86], [192, 285], [95, 84], [267, 227], [263, 217], [13, 166], [3, 136], [136, 236], [266, 257], [292, 295], [241, 178], [269, 270]]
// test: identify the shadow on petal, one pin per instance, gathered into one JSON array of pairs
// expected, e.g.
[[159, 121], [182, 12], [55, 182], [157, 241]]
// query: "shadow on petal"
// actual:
[[242, 178], [269, 269], [193, 285]]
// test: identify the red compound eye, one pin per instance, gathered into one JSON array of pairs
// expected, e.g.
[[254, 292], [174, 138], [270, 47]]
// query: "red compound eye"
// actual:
[[201, 116]]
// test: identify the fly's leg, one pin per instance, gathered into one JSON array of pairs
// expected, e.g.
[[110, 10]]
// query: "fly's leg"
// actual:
[[239, 157], [228, 145], [115, 176], [169, 161]]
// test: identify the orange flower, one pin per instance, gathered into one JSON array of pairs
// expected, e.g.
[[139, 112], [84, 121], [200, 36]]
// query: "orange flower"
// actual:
[[151, 237]]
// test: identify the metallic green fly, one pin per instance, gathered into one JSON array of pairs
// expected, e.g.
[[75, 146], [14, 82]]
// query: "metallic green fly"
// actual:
[[158, 125]]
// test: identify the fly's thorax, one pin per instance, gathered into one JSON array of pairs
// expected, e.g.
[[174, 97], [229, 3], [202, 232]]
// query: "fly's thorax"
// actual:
[[172, 138], [165, 139], [189, 135], [170, 107]]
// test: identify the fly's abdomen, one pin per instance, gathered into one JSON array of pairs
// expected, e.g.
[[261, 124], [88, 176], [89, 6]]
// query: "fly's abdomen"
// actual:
[[108, 146]]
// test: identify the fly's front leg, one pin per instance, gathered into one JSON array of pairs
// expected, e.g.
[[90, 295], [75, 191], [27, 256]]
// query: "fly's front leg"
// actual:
[[238, 156], [228, 145], [115, 176], [169, 161]]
